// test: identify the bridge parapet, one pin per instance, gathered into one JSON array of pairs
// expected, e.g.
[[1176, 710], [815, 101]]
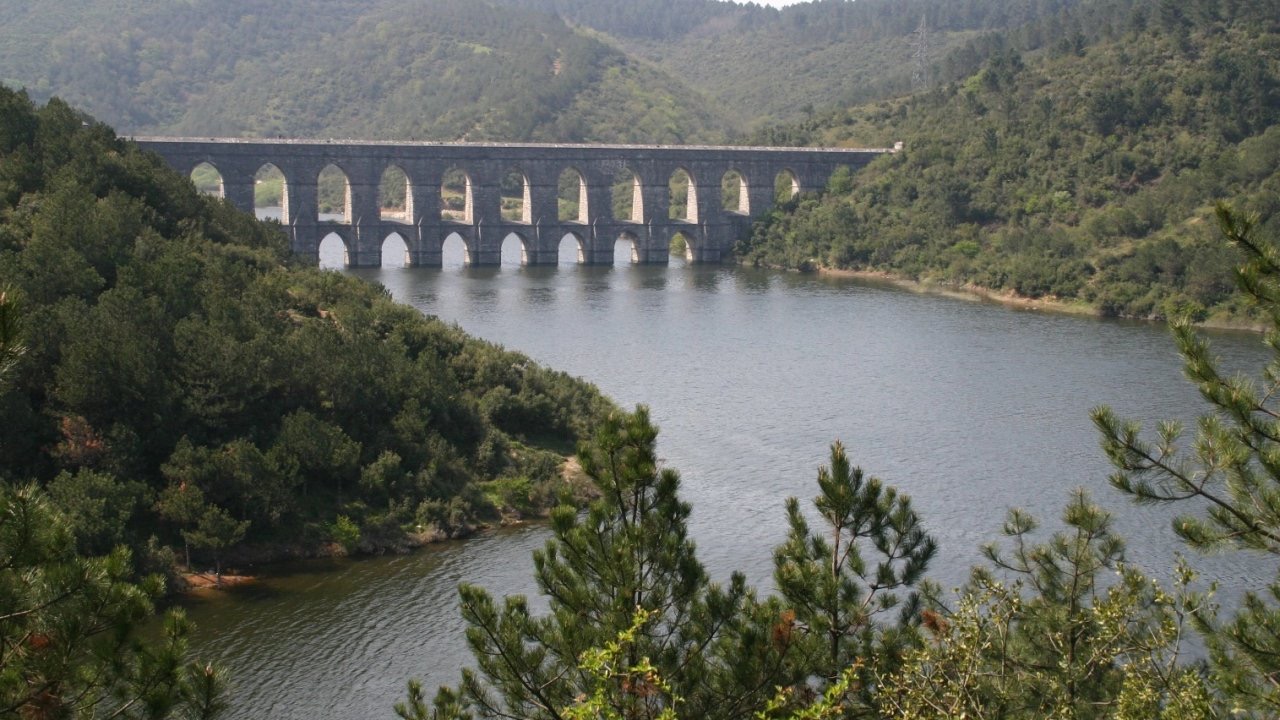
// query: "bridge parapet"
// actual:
[[710, 229]]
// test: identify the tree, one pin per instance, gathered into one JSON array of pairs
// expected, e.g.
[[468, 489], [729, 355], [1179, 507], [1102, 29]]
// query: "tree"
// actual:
[[182, 503], [216, 531], [841, 581], [1231, 475], [628, 554], [69, 644], [1047, 631]]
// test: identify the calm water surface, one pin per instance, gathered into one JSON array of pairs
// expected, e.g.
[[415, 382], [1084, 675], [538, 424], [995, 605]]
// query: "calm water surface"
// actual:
[[969, 407]]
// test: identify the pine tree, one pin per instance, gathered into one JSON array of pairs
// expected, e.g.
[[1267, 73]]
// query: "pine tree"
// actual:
[[69, 644], [628, 556], [1047, 631], [1231, 474], [843, 581]]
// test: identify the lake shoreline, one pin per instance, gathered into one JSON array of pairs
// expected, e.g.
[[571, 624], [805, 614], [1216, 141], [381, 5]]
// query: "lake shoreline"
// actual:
[[241, 566], [977, 293]]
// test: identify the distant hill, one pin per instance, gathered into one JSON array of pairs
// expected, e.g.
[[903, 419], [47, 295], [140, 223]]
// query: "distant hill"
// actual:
[[445, 69], [561, 70], [762, 65]]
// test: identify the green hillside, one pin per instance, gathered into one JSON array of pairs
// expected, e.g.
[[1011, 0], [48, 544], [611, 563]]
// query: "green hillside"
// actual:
[[183, 384], [445, 69], [763, 65], [665, 71], [1084, 169]]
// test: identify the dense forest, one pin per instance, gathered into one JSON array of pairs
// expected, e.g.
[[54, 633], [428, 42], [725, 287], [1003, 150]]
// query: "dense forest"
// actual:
[[184, 386], [559, 70], [1076, 166], [448, 69]]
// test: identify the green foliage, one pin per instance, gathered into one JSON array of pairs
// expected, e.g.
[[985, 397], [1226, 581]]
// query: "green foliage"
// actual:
[[68, 628], [629, 554], [457, 69], [983, 661], [843, 580], [345, 532], [555, 70], [1228, 476], [604, 665], [216, 531], [187, 381], [1080, 174]]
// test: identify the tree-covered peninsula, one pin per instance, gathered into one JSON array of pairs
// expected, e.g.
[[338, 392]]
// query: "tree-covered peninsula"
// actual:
[[1076, 158], [187, 392]]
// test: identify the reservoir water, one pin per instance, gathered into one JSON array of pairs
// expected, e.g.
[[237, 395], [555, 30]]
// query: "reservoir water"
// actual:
[[972, 408]]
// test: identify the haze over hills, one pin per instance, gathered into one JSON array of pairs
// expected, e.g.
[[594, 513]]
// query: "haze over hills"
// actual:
[[565, 70]]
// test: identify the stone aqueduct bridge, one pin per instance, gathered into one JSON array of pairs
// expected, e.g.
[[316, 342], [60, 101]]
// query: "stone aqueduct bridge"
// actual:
[[709, 229]]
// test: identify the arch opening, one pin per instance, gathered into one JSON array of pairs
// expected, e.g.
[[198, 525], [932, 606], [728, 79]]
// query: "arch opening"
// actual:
[[785, 187], [515, 250], [682, 196], [333, 252], [734, 196], [271, 194], [208, 180], [455, 196], [454, 251], [514, 197], [333, 195], [681, 247], [571, 197], [571, 250], [628, 197], [395, 196], [626, 250], [395, 251]]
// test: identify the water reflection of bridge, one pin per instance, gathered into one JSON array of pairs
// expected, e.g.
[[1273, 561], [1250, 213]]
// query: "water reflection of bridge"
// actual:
[[483, 193]]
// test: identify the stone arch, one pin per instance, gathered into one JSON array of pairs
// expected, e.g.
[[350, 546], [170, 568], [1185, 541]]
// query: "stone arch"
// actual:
[[271, 193], [681, 245], [571, 196], [735, 196], [395, 195], [333, 194], [393, 245], [334, 251], [506, 252], [683, 196], [208, 179], [628, 196], [457, 202], [450, 253], [515, 197], [578, 248], [630, 248], [786, 186]]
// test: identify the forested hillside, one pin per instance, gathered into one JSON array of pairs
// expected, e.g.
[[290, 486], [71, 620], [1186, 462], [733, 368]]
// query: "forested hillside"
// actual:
[[665, 71], [762, 65], [184, 387], [445, 69], [1082, 165]]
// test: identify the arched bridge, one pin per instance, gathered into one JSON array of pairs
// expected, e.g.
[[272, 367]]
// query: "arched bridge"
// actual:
[[474, 190]]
